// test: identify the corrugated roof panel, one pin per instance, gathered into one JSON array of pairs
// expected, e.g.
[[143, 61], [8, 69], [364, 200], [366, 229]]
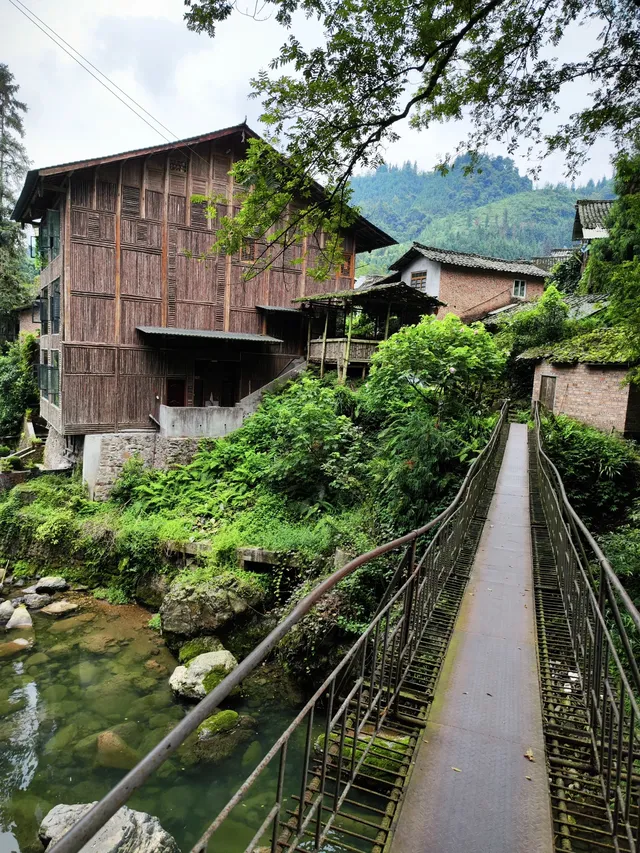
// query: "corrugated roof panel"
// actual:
[[207, 334]]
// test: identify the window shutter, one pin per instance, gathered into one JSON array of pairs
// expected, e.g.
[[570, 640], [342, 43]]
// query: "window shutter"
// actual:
[[131, 201]]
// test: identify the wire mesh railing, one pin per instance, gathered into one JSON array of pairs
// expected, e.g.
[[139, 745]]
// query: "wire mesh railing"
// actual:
[[604, 626], [335, 739]]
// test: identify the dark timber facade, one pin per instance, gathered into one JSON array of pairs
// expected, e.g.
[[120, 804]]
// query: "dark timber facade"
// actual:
[[124, 295]]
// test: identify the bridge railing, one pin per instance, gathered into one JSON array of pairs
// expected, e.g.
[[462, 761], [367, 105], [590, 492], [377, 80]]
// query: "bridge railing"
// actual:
[[604, 626], [353, 702]]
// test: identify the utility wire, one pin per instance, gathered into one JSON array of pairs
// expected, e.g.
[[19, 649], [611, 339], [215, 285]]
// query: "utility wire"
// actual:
[[47, 30]]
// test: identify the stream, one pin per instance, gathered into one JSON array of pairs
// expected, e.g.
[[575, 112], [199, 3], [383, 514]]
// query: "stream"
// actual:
[[103, 669]]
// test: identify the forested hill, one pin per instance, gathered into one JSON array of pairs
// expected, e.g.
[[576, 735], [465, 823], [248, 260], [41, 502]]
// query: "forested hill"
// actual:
[[495, 211]]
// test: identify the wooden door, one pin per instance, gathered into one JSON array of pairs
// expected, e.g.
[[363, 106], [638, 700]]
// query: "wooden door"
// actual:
[[548, 392], [176, 392]]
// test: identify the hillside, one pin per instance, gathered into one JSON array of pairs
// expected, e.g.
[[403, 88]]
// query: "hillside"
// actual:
[[494, 212]]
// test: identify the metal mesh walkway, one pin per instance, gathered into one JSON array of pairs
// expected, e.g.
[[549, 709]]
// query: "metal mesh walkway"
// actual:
[[472, 787]]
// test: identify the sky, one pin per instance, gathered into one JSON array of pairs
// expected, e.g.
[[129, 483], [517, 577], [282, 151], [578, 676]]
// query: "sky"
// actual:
[[190, 83]]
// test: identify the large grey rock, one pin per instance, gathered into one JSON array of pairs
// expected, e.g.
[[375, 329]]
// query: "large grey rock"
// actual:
[[152, 588], [20, 618], [202, 674], [128, 831], [50, 584], [6, 610], [204, 608], [60, 608], [36, 601]]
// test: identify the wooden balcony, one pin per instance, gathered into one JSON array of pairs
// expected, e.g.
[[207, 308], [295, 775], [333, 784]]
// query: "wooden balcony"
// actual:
[[360, 351]]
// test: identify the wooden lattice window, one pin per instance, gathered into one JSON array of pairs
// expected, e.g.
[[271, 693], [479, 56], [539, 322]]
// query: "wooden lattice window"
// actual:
[[131, 201], [346, 267], [419, 280]]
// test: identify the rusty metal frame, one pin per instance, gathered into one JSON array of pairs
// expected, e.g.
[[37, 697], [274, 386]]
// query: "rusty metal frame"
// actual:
[[374, 669], [604, 626]]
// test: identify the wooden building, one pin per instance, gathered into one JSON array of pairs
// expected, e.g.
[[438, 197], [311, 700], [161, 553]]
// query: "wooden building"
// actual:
[[132, 319]]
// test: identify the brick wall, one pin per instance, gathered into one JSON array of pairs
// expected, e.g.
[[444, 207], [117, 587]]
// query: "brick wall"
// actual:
[[592, 394], [472, 293]]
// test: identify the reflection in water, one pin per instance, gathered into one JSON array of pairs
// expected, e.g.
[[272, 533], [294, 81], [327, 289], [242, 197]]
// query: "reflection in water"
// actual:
[[103, 670]]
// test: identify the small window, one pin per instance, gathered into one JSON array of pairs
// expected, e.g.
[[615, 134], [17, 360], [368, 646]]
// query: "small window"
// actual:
[[520, 288], [419, 280], [346, 267], [43, 374], [55, 307], [54, 378], [44, 311], [248, 250]]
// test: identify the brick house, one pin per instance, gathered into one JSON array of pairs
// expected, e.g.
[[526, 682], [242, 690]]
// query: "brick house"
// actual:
[[469, 285], [586, 378], [142, 335]]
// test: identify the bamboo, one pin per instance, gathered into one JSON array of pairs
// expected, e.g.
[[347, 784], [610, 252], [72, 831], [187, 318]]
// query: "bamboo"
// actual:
[[324, 343], [347, 351], [386, 325]]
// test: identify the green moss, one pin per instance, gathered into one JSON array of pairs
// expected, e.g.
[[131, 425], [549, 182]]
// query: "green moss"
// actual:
[[198, 646], [155, 623], [384, 754], [602, 346], [223, 721], [213, 678]]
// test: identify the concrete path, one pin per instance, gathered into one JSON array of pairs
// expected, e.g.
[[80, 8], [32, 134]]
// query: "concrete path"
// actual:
[[486, 713]]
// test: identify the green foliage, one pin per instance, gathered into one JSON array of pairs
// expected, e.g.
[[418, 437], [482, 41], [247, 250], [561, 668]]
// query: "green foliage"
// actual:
[[601, 472], [600, 346], [337, 105], [443, 363], [155, 622], [18, 386], [112, 594], [4, 450], [566, 275], [544, 323]]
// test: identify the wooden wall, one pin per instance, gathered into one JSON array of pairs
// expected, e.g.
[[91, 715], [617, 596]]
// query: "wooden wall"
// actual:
[[130, 257]]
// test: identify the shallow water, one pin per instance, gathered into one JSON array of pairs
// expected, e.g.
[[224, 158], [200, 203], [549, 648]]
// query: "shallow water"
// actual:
[[96, 670]]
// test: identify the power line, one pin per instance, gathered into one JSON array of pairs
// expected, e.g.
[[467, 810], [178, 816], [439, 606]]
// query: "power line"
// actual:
[[88, 61], [102, 83], [47, 30]]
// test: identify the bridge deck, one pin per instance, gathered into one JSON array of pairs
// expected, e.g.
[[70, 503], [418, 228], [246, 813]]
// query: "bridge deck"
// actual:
[[486, 712]]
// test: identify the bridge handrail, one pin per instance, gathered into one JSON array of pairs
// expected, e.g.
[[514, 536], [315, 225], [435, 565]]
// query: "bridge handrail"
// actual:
[[603, 649], [613, 579], [74, 840]]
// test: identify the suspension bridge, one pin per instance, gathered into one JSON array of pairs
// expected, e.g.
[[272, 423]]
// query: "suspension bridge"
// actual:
[[491, 705]]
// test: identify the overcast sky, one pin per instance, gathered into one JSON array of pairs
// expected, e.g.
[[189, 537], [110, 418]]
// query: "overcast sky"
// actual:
[[191, 83]]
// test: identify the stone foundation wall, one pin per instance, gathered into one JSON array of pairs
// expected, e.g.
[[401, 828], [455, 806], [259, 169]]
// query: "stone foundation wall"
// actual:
[[55, 451], [105, 456]]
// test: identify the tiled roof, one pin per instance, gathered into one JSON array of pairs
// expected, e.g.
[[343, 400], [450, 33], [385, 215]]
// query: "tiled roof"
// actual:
[[591, 217], [602, 346], [547, 262], [579, 307], [466, 259]]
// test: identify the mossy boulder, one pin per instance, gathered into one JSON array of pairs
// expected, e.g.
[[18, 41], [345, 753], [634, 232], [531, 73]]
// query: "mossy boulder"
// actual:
[[192, 608], [217, 738], [198, 646], [202, 674]]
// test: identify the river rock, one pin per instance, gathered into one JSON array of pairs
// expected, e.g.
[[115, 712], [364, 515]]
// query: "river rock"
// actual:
[[217, 738], [198, 646], [20, 618], [6, 611], [127, 831], [9, 650], [112, 751], [50, 584], [151, 589], [202, 674], [60, 608], [36, 600], [190, 609]]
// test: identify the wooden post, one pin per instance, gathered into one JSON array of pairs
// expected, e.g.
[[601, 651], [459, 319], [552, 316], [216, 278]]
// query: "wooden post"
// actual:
[[308, 319], [386, 325], [347, 351], [324, 343]]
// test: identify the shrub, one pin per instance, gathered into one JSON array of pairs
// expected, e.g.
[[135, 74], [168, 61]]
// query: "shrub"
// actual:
[[600, 472], [155, 623]]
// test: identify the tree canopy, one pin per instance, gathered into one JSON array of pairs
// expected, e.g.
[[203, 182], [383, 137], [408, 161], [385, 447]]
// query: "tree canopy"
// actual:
[[335, 106], [16, 273]]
